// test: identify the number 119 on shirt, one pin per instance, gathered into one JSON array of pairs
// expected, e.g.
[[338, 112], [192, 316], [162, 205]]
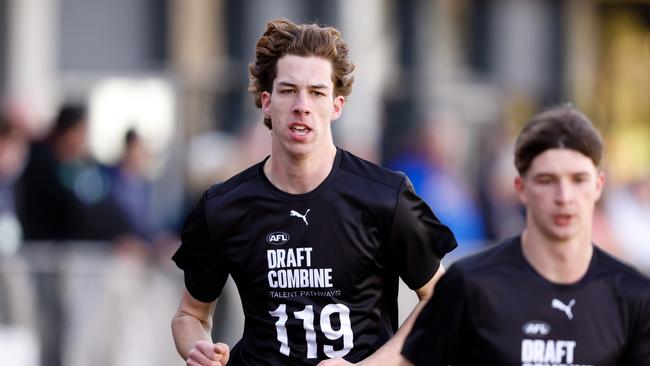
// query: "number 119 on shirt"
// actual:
[[307, 317]]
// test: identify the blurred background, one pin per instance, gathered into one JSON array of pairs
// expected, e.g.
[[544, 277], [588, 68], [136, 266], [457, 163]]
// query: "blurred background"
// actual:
[[116, 115]]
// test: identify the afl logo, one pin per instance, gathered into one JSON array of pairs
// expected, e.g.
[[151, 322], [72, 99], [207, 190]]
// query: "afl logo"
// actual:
[[277, 238], [536, 328]]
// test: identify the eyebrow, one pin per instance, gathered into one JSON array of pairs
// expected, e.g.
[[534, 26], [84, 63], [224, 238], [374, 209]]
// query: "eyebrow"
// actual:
[[292, 85], [542, 175], [553, 174]]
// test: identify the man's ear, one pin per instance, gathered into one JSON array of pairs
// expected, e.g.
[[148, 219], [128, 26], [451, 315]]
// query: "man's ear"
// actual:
[[266, 103], [519, 188], [600, 184], [339, 102]]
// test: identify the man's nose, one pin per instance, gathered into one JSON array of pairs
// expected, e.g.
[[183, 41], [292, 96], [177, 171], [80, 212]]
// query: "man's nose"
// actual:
[[564, 192], [301, 104]]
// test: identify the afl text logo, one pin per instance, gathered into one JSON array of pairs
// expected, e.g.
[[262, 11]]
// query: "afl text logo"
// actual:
[[536, 328], [277, 238]]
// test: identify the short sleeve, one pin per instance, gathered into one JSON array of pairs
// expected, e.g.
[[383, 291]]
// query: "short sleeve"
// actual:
[[198, 257], [436, 336], [637, 352], [418, 240]]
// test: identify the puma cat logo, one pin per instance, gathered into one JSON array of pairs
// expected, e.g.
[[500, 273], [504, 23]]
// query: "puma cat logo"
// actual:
[[559, 305], [303, 217]]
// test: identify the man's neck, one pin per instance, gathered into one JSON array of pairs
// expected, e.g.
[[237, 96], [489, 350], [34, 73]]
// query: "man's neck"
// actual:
[[564, 262], [299, 174]]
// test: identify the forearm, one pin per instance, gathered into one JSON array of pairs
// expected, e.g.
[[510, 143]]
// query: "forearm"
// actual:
[[390, 352], [187, 330]]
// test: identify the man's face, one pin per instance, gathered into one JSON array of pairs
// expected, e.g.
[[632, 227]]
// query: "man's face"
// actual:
[[302, 104], [560, 191]]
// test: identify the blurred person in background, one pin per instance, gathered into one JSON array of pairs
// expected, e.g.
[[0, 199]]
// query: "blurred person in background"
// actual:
[[131, 188], [549, 296], [62, 194], [314, 237], [119, 322]]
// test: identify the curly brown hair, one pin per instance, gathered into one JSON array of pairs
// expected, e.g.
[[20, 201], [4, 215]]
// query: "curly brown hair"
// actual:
[[284, 37]]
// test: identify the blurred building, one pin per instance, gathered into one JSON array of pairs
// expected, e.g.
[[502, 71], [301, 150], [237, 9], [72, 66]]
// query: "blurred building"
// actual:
[[487, 60]]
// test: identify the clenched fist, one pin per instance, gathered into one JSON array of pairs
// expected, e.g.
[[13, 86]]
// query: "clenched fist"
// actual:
[[205, 353]]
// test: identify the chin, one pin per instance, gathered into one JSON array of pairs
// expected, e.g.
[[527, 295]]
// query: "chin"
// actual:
[[299, 149], [562, 234]]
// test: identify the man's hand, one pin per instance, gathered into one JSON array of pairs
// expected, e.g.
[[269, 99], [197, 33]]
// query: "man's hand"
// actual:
[[335, 362], [205, 353]]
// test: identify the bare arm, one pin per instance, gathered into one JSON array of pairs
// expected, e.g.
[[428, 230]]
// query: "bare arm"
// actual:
[[191, 329], [389, 353]]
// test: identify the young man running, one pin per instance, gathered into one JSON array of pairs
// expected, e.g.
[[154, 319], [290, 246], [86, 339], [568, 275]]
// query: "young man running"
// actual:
[[548, 297], [314, 237]]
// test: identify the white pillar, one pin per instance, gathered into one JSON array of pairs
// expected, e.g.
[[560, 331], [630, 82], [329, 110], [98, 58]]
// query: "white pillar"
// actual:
[[522, 43], [370, 39], [33, 59]]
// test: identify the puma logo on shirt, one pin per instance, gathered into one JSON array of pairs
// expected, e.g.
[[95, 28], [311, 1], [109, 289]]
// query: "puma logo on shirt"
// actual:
[[298, 214], [559, 305]]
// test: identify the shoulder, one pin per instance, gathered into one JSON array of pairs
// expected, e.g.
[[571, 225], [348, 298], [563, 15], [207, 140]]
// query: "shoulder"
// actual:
[[233, 184], [489, 266], [627, 279], [474, 275], [370, 172], [490, 260], [632, 290]]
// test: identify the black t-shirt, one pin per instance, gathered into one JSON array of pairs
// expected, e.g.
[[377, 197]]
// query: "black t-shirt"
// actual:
[[493, 308], [317, 272]]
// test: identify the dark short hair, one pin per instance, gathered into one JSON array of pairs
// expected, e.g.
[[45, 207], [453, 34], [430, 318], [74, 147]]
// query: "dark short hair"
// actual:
[[562, 127], [131, 137], [69, 117], [283, 37]]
